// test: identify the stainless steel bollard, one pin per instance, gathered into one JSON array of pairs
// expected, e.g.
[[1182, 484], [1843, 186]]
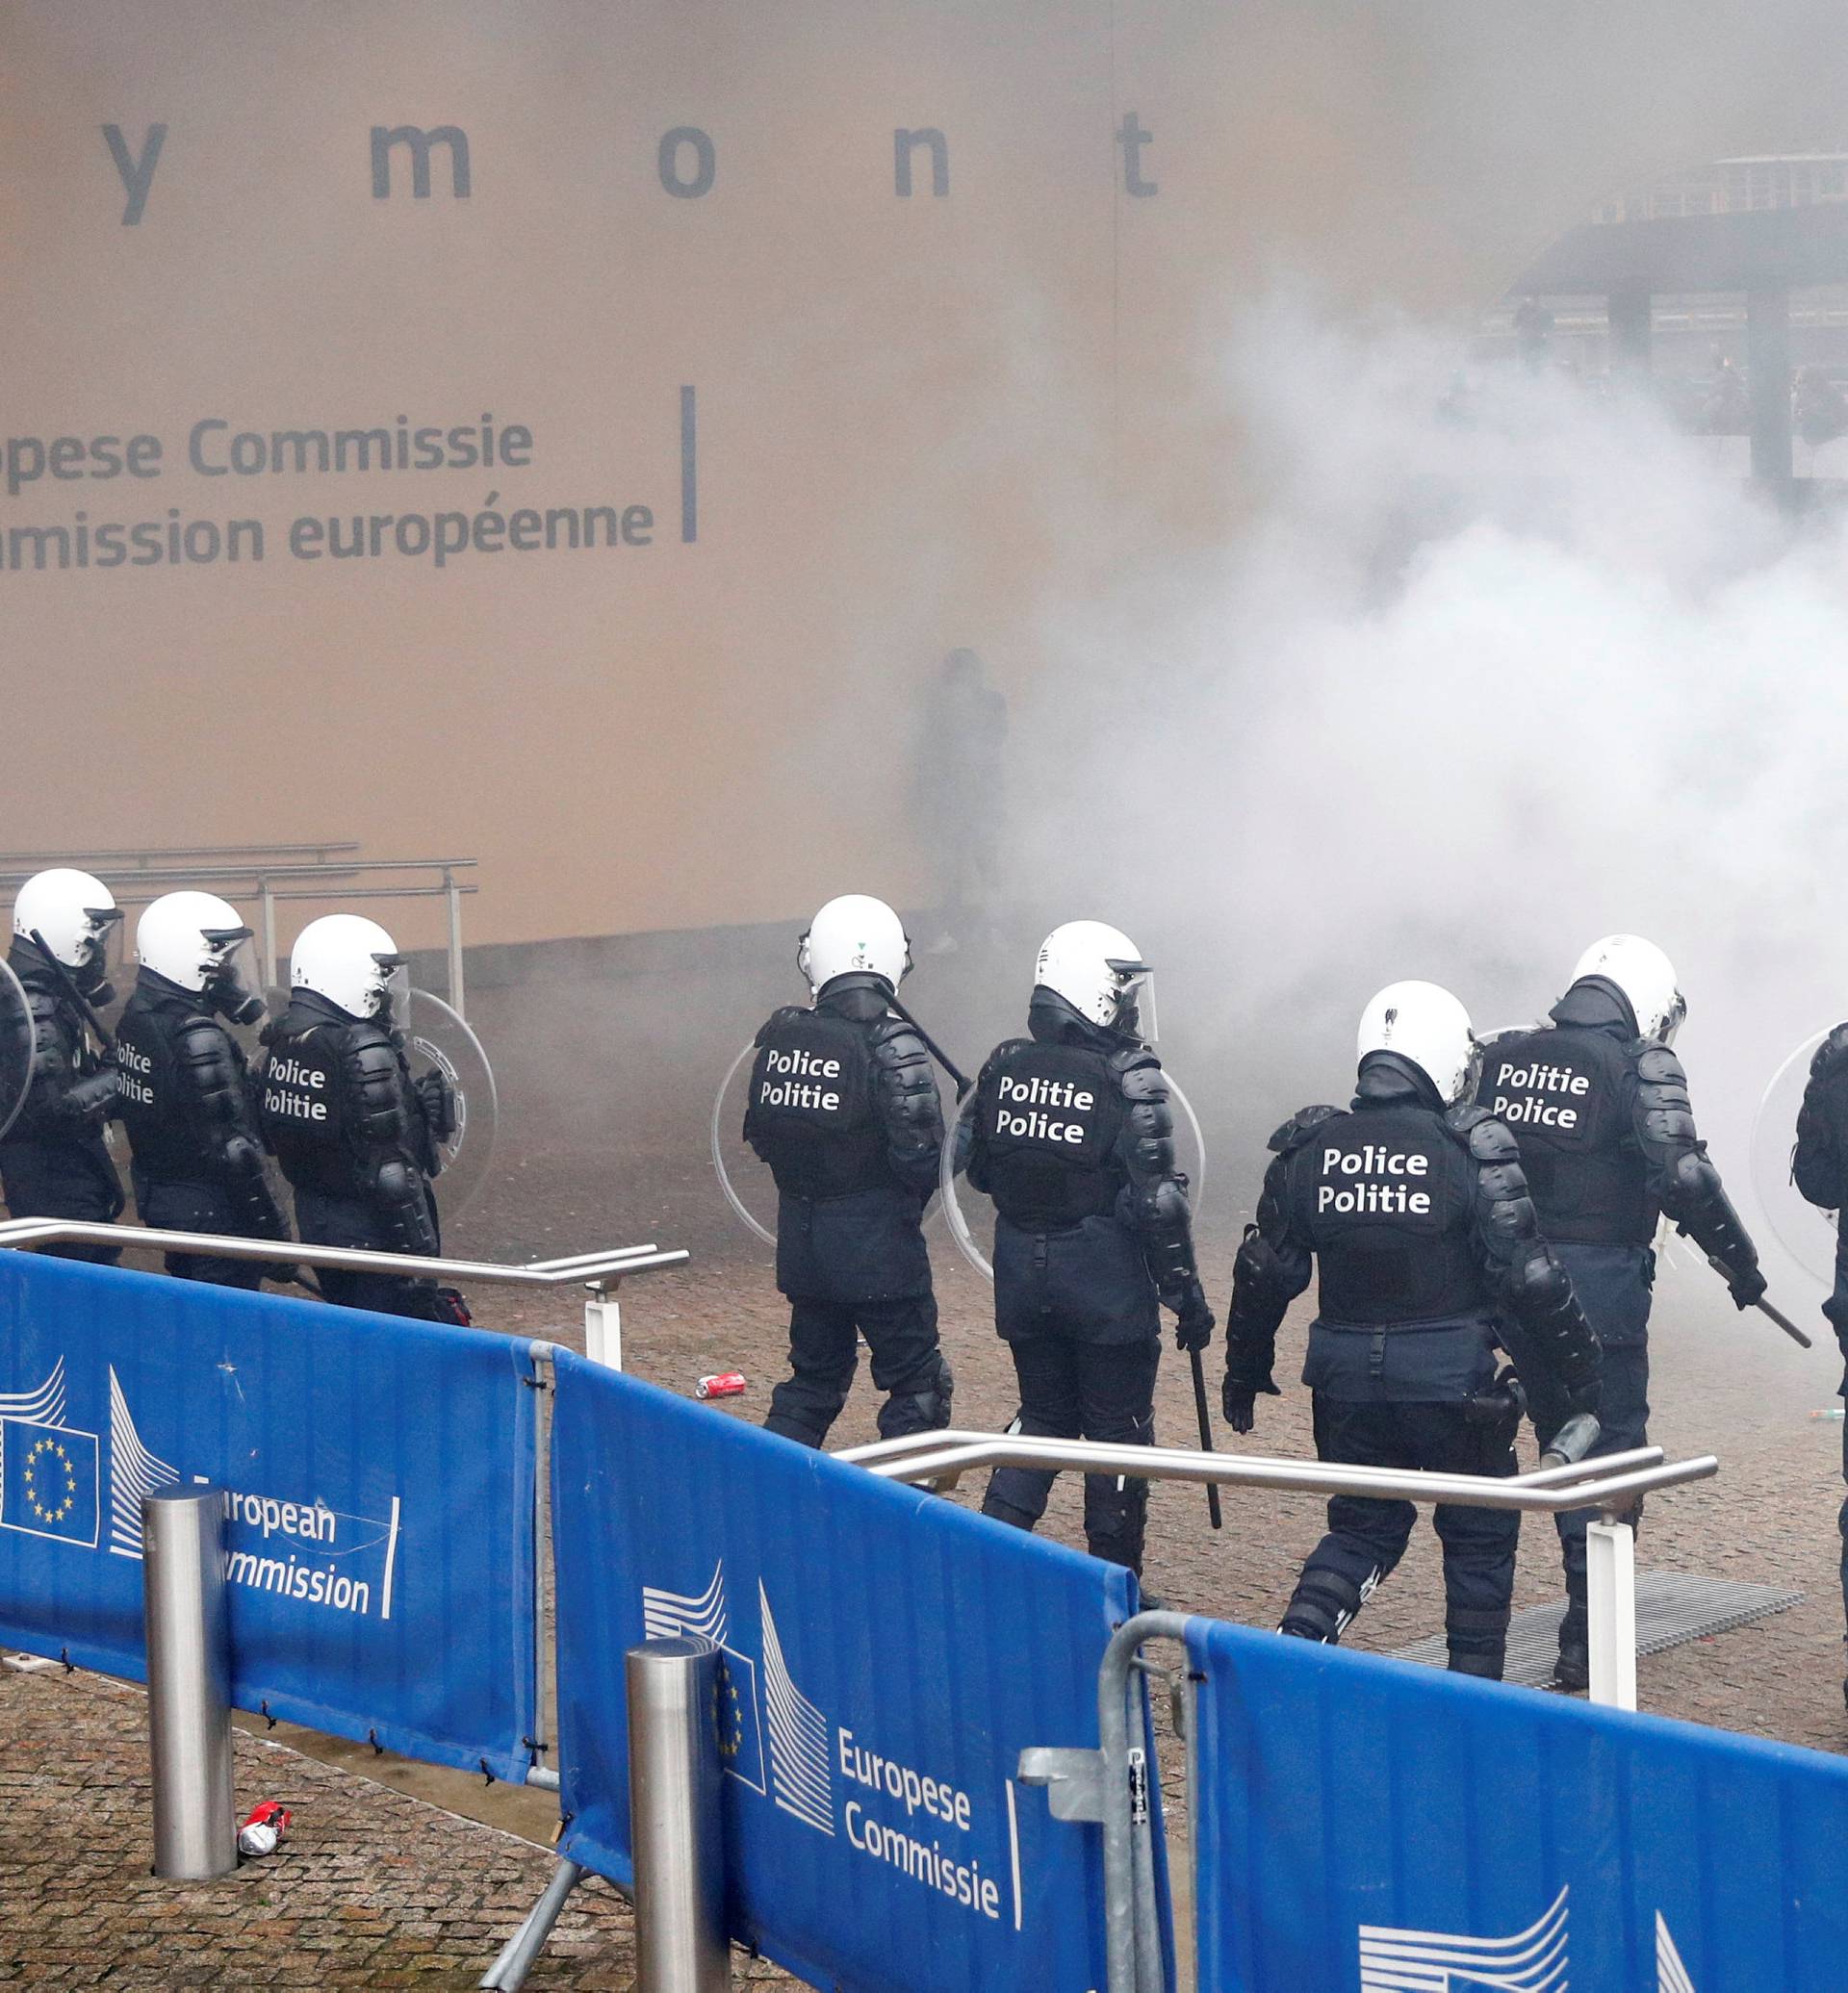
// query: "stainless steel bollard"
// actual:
[[674, 1781], [188, 1684]]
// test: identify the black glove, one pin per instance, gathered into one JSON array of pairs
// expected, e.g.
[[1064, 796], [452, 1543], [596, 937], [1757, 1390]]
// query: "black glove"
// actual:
[[437, 1098], [1193, 1326], [1588, 1396], [1746, 1287], [1238, 1402]]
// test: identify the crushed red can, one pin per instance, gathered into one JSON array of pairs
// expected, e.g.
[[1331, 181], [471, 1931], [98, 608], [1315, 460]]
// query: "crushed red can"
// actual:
[[728, 1384], [263, 1829]]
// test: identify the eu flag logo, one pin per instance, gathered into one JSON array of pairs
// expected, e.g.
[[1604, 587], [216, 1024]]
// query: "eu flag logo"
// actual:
[[740, 1737], [48, 1481]]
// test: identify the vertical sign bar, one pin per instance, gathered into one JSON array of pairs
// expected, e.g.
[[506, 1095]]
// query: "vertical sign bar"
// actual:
[[689, 467]]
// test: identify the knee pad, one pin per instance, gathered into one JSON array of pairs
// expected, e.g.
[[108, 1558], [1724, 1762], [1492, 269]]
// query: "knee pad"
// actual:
[[1001, 1510], [1017, 1495]]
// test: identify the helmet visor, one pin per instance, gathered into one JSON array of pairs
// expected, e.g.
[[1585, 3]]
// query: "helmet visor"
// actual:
[[391, 1007], [231, 983], [1134, 987], [99, 949]]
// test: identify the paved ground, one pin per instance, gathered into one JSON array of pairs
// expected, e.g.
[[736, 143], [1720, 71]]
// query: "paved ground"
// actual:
[[605, 1141]]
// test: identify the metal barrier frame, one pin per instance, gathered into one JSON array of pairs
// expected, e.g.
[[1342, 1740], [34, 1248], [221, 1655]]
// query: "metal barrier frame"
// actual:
[[1609, 1483], [134, 870]]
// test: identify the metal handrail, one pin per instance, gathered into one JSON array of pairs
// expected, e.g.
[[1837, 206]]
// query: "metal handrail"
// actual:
[[875, 1451], [588, 1269], [1548, 1490], [170, 874], [90, 860]]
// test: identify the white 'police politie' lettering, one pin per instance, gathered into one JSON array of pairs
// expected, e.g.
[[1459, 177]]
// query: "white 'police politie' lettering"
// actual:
[[1365, 1194], [1523, 1106], [1032, 1097]]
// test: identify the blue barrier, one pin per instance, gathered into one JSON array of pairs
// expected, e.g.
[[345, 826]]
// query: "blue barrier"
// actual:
[[886, 1656], [380, 1496], [1369, 1822]]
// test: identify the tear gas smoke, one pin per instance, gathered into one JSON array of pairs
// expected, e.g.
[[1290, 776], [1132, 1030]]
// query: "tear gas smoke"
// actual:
[[1493, 667]]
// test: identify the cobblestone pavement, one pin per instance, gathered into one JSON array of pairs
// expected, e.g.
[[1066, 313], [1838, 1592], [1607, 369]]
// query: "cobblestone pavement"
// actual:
[[371, 1888]]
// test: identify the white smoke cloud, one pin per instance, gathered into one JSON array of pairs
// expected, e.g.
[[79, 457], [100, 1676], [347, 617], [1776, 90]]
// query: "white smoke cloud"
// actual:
[[1488, 669]]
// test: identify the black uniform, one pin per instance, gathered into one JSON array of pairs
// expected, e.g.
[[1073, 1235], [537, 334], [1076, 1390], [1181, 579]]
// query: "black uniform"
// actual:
[[357, 1138], [1422, 1229], [1074, 1141], [1607, 1144], [1820, 1167], [844, 1110], [197, 1160], [54, 1163]]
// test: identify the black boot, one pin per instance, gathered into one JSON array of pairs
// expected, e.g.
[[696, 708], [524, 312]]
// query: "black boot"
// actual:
[[1487, 1665], [1572, 1669]]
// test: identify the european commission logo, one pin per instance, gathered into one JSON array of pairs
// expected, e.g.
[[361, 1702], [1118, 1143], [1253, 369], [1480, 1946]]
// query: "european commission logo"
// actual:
[[795, 1771], [50, 1472]]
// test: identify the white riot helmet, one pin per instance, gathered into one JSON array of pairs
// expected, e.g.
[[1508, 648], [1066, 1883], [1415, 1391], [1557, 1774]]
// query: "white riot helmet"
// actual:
[[199, 942], [1427, 1025], [1097, 971], [1643, 976], [76, 919], [853, 935], [354, 963]]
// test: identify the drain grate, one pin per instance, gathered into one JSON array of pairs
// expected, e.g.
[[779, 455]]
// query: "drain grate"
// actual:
[[1671, 1606]]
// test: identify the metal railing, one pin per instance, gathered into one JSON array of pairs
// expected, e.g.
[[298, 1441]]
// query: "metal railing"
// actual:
[[600, 1270], [1611, 1484], [131, 872], [90, 861]]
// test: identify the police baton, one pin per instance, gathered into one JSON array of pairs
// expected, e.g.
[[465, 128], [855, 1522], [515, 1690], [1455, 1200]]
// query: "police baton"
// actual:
[[937, 1051], [69, 986], [1206, 1434], [1763, 1306]]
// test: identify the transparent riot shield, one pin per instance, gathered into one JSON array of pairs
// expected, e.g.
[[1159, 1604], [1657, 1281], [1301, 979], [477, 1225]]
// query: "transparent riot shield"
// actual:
[[961, 1202], [1808, 1234], [439, 1039], [18, 1046], [746, 1181], [742, 1177]]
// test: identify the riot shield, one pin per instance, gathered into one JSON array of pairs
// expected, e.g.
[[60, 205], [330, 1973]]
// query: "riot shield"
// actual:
[[1189, 1147], [749, 1171], [439, 1039], [18, 1046], [742, 1176], [1808, 1234]]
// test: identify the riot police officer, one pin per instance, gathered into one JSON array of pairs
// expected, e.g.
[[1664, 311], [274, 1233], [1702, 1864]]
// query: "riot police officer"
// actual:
[[196, 1161], [1073, 1140], [1819, 1163], [1598, 1104], [55, 1160], [358, 1137], [1413, 1209], [844, 1109]]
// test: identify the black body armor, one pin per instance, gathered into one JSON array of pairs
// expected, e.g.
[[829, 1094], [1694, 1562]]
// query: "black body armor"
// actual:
[[347, 1122], [1050, 1118], [1631, 1150], [185, 1103]]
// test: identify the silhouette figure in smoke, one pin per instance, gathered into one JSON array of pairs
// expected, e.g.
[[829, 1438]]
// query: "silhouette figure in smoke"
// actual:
[[957, 789]]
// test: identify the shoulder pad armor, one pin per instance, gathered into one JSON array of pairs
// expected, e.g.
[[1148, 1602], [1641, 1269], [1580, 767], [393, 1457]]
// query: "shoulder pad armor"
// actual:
[[1830, 1053], [788, 1013], [1489, 1140], [1656, 1065], [895, 1043], [1142, 1083], [1299, 1127], [1462, 1119], [1131, 1059]]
